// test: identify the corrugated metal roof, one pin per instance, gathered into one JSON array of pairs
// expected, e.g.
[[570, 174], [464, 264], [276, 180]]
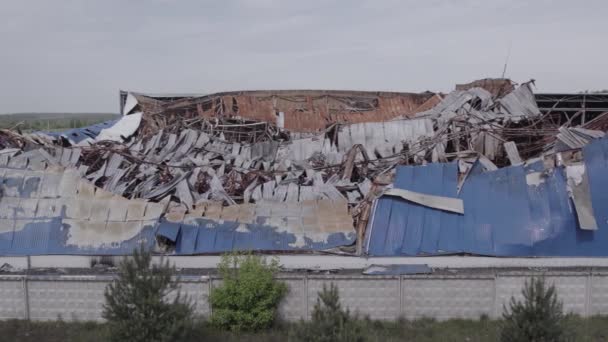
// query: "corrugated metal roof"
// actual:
[[57, 212], [77, 135], [205, 236], [519, 103], [267, 226], [479, 105], [507, 212], [384, 136]]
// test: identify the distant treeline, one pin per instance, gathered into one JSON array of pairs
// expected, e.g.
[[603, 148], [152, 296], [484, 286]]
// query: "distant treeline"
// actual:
[[52, 121]]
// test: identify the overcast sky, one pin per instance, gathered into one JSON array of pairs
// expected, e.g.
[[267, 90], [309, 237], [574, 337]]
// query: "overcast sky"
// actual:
[[73, 56]]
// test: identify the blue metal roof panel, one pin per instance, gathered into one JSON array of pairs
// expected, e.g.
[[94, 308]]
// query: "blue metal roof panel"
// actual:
[[50, 236], [187, 238], [205, 236], [34, 237], [79, 134], [36, 222], [168, 230], [504, 215]]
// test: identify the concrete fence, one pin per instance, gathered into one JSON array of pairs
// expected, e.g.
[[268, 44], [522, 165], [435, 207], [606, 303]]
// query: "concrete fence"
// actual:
[[467, 294]]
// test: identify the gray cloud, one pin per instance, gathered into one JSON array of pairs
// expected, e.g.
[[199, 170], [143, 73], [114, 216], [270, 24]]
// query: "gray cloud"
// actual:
[[66, 55]]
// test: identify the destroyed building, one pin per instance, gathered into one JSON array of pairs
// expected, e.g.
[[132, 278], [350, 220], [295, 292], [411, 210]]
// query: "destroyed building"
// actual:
[[488, 169]]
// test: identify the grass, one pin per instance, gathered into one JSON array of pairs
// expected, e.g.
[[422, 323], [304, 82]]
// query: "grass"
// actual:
[[52, 121], [54, 331], [423, 330]]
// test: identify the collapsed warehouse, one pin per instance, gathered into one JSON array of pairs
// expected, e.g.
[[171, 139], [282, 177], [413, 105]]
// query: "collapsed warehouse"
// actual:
[[479, 171]]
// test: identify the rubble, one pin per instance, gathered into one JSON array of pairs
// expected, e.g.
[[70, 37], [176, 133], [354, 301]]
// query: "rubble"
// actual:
[[297, 170]]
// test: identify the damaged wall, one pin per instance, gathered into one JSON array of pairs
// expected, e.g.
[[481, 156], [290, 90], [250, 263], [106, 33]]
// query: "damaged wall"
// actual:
[[266, 226], [57, 212], [304, 110]]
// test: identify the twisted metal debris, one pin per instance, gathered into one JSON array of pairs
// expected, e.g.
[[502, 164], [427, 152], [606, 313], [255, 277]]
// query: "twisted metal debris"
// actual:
[[219, 151]]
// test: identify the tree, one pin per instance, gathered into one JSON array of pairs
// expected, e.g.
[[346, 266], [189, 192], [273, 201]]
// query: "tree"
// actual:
[[249, 296], [330, 323], [137, 306], [538, 318]]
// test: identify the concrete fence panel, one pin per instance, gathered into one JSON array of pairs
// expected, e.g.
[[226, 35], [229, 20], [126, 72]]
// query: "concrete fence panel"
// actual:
[[70, 299], [376, 297], [379, 297], [445, 298], [12, 298]]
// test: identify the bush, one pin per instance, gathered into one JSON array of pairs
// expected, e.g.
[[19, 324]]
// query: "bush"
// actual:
[[249, 296], [538, 318], [137, 306], [330, 323]]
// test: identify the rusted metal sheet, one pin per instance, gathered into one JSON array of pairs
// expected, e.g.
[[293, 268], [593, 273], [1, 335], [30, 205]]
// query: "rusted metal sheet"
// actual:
[[304, 110], [496, 86]]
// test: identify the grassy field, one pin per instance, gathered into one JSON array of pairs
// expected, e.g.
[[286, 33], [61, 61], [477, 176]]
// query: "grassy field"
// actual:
[[52, 121], [425, 330]]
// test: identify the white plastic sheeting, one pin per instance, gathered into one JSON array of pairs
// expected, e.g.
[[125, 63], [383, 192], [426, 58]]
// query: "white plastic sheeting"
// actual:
[[124, 128], [130, 104]]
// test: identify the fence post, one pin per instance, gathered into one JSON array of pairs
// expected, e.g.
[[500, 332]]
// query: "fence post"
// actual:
[[209, 287], [307, 313], [26, 298], [496, 304], [588, 293], [400, 296]]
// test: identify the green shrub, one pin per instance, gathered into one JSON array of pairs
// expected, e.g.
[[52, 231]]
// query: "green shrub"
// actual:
[[330, 323], [539, 318], [137, 306], [249, 296]]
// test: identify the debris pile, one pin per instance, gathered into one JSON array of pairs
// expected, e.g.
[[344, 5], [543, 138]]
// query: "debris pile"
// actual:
[[288, 170]]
